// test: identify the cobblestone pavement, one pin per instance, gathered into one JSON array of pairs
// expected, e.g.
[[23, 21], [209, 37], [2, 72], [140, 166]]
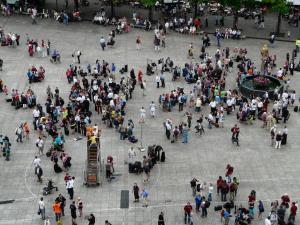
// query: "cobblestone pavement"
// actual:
[[270, 172]]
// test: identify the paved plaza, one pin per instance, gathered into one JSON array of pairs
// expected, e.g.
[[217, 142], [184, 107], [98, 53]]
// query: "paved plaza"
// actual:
[[258, 165]]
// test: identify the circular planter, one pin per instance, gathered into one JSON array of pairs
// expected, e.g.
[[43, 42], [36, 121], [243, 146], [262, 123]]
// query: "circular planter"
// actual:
[[248, 87]]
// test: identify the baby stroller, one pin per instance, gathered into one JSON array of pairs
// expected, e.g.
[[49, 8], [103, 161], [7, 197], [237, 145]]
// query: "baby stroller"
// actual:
[[48, 189]]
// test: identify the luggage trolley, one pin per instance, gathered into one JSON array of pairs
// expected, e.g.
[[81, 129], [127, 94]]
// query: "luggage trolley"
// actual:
[[92, 173]]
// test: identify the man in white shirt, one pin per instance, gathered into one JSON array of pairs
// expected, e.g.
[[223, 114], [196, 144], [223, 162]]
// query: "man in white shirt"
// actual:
[[42, 210], [36, 115], [213, 107], [70, 187], [40, 145], [36, 163]]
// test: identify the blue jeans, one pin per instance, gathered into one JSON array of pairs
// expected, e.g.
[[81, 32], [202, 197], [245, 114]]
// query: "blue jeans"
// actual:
[[185, 138], [43, 213]]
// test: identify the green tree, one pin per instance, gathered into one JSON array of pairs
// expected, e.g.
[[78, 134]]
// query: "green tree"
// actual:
[[280, 7], [236, 6], [149, 4], [195, 4]]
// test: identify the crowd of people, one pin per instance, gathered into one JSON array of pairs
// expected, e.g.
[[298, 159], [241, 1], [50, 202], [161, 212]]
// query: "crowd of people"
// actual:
[[98, 89]]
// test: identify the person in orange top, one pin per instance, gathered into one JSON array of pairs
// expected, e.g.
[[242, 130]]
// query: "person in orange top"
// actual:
[[26, 129], [57, 210], [140, 77]]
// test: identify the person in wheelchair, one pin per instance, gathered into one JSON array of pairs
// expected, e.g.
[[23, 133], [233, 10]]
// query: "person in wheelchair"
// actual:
[[47, 190]]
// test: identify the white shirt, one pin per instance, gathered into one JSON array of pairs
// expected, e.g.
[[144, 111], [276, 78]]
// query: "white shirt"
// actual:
[[213, 104], [37, 162], [157, 79], [267, 222], [70, 184], [40, 143], [36, 113], [41, 205]]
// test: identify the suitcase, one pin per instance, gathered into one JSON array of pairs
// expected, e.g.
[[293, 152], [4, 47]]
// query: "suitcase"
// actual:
[[163, 156], [296, 108], [218, 208]]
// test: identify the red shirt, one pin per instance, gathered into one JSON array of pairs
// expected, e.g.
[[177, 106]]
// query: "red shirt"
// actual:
[[188, 209], [294, 210], [219, 183]]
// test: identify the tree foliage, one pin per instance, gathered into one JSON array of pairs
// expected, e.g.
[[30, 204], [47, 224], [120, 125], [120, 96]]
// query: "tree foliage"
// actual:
[[148, 3], [278, 6]]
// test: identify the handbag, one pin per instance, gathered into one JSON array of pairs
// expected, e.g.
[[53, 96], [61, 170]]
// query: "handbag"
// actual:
[[39, 212]]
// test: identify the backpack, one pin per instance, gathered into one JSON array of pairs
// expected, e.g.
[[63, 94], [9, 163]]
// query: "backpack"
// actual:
[[207, 204]]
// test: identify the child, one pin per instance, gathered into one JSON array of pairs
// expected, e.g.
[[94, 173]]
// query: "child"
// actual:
[[80, 206]]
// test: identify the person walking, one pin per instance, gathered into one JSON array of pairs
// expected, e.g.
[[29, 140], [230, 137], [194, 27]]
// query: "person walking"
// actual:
[[73, 212], [142, 115], [185, 134], [19, 133], [102, 43], [136, 193], [40, 145], [284, 136], [226, 217], [278, 140], [161, 219], [62, 200], [198, 201], [33, 15], [204, 206], [187, 212], [36, 164], [91, 219], [293, 212], [138, 43], [145, 196], [261, 209], [70, 187], [39, 174], [57, 210], [152, 109], [42, 209], [157, 80], [79, 206], [193, 186]]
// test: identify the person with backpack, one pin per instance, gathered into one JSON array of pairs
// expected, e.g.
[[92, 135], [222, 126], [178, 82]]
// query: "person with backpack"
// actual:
[[198, 200], [193, 186], [204, 206]]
